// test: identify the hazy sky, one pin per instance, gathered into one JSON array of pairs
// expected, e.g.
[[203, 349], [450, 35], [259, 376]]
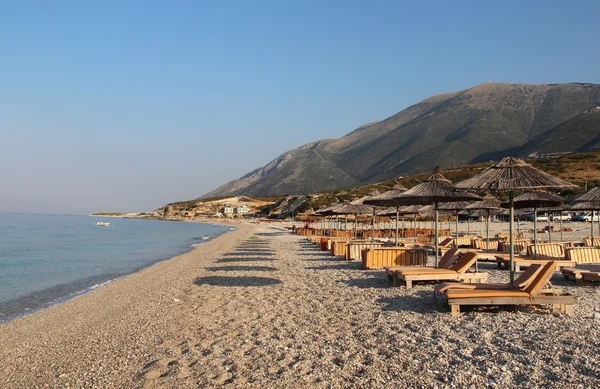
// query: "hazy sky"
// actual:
[[129, 105]]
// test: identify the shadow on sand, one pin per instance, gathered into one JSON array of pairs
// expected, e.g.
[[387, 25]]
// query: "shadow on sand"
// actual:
[[244, 259], [241, 268], [255, 253], [419, 302], [236, 281], [344, 265]]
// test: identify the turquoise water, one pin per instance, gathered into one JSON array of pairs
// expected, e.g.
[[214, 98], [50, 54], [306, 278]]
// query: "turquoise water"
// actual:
[[46, 259]]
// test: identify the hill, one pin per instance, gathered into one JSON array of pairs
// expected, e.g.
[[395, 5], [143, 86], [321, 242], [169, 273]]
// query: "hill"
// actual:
[[579, 168], [479, 124]]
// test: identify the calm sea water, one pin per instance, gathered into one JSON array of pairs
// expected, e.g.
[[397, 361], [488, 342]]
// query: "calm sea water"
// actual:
[[47, 259]]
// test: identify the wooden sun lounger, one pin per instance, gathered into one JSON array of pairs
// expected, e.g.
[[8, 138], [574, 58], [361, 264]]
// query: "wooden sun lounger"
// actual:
[[533, 294], [580, 256], [521, 282], [456, 272], [445, 262]]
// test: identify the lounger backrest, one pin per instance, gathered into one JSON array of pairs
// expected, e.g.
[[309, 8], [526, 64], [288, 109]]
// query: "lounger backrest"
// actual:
[[464, 262], [547, 251], [462, 241], [446, 242], [541, 279], [448, 258], [528, 276], [588, 242], [583, 254]]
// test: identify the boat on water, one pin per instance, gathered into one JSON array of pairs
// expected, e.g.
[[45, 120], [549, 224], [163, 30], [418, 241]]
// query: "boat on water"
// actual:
[[103, 224]]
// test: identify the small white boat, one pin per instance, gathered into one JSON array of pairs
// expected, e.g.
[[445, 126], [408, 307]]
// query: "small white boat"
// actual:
[[103, 224]]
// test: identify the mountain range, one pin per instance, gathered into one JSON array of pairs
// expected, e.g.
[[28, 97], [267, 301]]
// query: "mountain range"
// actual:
[[479, 124]]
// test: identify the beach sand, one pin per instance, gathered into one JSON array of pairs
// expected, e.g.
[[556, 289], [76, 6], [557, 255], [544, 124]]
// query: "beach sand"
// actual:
[[277, 312]]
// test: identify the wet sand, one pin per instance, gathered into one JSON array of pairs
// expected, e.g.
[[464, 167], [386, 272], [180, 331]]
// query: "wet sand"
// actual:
[[277, 312]]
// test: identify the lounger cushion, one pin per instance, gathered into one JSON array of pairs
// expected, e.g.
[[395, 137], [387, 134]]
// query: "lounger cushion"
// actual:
[[476, 293], [423, 271]]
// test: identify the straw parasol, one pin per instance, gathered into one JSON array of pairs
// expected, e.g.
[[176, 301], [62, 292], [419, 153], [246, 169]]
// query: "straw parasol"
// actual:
[[535, 200], [509, 175], [328, 211], [360, 201], [486, 206], [387, 199], [551, 210], [353, 209], [589, 201], [588, 206], [401, 211], [434, 190], [455, 206]]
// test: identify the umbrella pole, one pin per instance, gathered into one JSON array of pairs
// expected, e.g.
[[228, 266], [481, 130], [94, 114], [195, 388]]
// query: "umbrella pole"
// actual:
[[436, 235], [534, 232], [468, 225], [592, 228], [355, 224], [345, 226], [561, 232], [415, 227], [373, 226], [457, 228], [549, 230], [402, 226], [487, 230], [511, 240], [397, 210]]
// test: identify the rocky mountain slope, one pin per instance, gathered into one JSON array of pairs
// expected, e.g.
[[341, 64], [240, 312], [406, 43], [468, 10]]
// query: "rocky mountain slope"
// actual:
[[488, 121]]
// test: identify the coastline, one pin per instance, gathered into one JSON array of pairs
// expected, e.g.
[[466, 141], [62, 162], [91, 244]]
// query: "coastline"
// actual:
[[81, 288], [131, 301]]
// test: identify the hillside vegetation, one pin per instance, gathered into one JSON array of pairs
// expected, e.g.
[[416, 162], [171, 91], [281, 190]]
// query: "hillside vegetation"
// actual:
[[578, 168]]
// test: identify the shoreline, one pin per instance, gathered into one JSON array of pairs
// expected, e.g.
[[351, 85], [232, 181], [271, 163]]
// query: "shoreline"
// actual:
[[118, 301], [101, 283]]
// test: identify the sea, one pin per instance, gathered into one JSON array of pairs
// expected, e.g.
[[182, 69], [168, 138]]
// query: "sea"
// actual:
[[49, 259]]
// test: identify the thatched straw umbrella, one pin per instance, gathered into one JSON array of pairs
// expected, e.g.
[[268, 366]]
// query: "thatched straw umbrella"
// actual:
[[487, 205], [551, 210], [589, 201], [401, 211], [434, 190], [509, 175], [455, 206], [588, 206], [387, 199], [535, 200], [329, 211], [354, 209], [360, 201]]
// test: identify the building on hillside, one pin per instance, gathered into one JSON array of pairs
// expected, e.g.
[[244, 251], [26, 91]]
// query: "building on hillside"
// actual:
[[242, 210], [228, 211]]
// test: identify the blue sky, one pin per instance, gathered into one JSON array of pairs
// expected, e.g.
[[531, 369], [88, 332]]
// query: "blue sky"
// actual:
[[128, 105]]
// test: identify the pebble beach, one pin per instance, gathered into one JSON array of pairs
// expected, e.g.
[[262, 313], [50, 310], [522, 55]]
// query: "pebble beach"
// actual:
[[259, 307]]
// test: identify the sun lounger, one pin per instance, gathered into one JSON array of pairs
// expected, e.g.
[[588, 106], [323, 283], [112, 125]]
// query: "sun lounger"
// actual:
[[588, 242], [444, 263], [590, 277], [545, 252], [520, 282], [580, 256], [532, 294], [381, 257], [456, 272]]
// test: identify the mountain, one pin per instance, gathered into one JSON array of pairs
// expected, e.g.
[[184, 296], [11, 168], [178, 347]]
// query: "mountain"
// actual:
[[486, 122]]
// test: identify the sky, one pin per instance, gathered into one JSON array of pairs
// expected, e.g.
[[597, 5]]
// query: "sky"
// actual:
[[128, 105]]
